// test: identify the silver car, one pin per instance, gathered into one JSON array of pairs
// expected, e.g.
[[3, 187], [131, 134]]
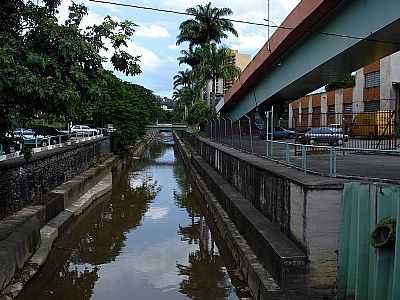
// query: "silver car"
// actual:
[[322, 135]]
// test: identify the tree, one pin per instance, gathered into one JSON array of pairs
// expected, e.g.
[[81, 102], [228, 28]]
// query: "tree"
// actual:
[[216, 63], [52, 69], [199, 114], [207, 25], [183, 78], [189, 57], [129, 107]]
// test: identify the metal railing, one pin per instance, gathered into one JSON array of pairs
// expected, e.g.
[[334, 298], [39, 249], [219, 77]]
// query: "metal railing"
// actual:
[[38, 144], [337, 158]]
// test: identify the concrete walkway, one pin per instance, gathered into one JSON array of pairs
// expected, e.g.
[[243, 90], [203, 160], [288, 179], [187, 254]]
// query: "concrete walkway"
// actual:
[[383, 167]]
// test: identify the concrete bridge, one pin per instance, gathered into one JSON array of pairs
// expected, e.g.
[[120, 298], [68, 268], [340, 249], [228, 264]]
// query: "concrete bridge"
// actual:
[[320, 41], [169, 127]]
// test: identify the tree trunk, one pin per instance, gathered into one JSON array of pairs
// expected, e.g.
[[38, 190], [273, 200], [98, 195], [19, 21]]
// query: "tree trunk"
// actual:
[[213, 92]]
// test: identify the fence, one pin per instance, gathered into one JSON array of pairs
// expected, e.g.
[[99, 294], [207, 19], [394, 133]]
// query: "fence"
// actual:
[[39, 144], [367, 130], [329, 153]]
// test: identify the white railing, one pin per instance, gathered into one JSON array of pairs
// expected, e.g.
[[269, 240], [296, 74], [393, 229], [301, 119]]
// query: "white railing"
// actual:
[[50, 142]]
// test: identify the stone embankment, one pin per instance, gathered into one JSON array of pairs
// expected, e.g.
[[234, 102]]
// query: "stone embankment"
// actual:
[[27, 236]]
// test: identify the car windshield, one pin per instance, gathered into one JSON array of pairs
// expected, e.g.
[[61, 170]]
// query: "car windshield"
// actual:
[[85, 127]]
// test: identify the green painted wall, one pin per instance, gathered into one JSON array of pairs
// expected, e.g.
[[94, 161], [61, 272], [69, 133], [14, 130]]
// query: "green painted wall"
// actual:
[[367, 273]]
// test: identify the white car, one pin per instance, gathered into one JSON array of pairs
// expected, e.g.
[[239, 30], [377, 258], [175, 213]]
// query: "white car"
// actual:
[[83, 129]]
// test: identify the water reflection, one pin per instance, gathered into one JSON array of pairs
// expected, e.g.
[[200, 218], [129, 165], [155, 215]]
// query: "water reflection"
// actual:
[[147, 240]]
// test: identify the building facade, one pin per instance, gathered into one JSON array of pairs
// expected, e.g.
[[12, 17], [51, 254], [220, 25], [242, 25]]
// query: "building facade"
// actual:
[[221, 86], [376, 89]]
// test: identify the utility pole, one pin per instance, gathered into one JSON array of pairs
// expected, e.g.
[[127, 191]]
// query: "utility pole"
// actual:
[[268, 16]]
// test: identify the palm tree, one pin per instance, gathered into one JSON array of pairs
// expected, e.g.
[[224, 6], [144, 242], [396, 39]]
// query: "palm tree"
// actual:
[[189, 57], [208, 25], [216, 63], [184, 98], [183, 78]]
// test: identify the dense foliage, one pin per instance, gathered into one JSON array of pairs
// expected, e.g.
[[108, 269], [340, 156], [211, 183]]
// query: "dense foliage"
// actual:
[[50, 69], [199, 114]]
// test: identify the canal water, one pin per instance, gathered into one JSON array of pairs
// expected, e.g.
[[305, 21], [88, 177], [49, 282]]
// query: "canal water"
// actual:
[[148, 240]]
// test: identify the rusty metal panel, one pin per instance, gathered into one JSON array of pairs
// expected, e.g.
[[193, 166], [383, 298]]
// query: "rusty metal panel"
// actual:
[[367, 272]]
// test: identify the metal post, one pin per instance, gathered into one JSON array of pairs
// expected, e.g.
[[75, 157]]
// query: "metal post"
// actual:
[[59, 139], [240, 136], [36, 143], [304, 158], [287, 153], [334, 162], [219, 129], [251, 136], [272, 130], [267, 123], [224, 127], [231, 130], [211, 129], [215, 130]]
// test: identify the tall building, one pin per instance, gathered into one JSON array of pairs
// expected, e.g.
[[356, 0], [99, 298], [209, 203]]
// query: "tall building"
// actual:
[[376, 89], [241, 61], [221, 86]]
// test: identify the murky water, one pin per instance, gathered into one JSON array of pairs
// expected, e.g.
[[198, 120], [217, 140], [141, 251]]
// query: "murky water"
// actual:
[[147, 240]]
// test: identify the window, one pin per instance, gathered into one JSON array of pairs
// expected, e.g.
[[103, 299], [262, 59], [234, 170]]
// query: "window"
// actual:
[[372, 79]]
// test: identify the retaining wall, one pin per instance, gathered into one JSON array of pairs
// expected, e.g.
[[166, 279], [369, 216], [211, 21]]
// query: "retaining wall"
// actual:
[[306, 208], [25, 183]]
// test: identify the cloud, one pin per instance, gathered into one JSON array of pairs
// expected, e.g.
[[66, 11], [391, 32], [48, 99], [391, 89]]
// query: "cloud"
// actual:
[[157, 213], [247, 42], [89, 20], [174, 47], [152, 31]]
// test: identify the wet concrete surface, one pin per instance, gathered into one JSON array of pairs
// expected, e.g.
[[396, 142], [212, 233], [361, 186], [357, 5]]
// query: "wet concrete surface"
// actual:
[[148, 239]]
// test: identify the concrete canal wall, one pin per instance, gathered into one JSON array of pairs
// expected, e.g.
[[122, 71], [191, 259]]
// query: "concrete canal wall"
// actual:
[[26, 236], [25, 182], [291, 221]]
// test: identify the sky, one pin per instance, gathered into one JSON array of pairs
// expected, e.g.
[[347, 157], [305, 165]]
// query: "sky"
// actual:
[[155, 37]]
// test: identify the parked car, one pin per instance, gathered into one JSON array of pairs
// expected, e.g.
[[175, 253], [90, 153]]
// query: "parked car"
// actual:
[[336, 128], [322, 135], [278, 133], [10, 145], [30, 138], [83, 130], [51, 133]]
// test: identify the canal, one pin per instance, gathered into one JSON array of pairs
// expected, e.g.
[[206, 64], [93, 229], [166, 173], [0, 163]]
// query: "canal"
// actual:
[[148, 239]]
